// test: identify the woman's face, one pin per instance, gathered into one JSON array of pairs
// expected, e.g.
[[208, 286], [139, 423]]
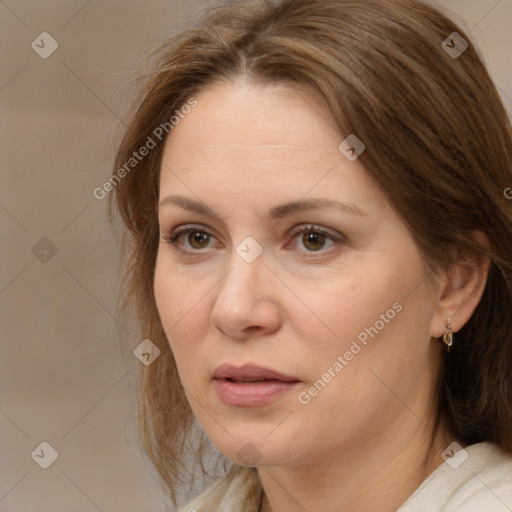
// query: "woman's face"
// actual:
[[336, 300]]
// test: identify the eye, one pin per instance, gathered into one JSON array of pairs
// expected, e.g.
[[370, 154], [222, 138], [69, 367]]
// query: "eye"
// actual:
[[315, 237], [196, 238]]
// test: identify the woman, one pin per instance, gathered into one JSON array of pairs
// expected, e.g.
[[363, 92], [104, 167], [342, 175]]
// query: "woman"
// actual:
[[320, 248]]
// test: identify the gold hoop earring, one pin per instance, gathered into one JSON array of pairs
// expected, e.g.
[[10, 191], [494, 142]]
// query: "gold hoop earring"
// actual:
[[448, 335]]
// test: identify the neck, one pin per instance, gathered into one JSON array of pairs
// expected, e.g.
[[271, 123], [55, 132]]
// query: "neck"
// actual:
[[380, 474]]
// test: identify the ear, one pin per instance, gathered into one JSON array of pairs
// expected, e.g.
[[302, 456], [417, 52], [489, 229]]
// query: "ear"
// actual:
[[461, 288]]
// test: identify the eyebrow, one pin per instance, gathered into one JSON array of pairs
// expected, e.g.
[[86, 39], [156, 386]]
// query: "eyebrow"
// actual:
[[275, 213]]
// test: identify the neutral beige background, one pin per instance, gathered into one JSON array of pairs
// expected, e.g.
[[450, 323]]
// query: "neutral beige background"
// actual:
[[63, 379]]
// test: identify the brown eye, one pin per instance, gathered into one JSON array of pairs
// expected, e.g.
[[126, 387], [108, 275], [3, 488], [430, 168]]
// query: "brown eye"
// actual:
[[197, 238], [193, 239], [314, 238], [314, 241]]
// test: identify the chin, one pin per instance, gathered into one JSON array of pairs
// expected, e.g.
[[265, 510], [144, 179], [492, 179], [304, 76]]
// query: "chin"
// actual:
[[253, 447]]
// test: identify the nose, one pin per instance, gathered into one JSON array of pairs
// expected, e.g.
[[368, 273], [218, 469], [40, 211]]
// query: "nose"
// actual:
[[247, 299]]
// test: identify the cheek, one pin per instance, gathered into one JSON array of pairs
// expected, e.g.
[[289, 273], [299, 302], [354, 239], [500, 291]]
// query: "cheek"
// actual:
[[177, 298], [344, 306], [166, 297], [369, 310], [181, 307], [171, 309]]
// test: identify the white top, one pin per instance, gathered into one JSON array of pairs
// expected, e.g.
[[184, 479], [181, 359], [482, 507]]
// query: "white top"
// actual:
[[475, 479]]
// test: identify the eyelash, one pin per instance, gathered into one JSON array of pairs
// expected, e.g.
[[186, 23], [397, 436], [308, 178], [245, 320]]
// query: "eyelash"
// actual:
[[308, 228]]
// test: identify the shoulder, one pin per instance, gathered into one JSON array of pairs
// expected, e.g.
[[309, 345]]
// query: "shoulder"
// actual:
[[239, 490], [489, 486], [477, 479]]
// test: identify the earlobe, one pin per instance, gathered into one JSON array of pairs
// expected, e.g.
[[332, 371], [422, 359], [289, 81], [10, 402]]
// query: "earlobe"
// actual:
[[462, 289]]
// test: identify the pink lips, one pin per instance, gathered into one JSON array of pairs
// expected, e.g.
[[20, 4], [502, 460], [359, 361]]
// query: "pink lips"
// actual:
[[250, 385]]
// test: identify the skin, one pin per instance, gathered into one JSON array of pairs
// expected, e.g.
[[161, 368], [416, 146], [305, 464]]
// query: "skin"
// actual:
[[360, 443]]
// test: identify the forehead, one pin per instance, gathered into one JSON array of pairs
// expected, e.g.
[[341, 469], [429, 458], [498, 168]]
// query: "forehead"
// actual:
[[252, 118], [260, 142]]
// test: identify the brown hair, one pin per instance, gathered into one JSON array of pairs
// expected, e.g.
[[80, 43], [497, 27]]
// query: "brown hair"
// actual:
[[438, 143]]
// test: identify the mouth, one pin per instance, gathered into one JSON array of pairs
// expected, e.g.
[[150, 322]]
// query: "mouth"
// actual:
[[237, 381], [250, 374], [250, 386]]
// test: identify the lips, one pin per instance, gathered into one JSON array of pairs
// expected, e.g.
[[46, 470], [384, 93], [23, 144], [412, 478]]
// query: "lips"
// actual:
[[250, 373], [250, 386]]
